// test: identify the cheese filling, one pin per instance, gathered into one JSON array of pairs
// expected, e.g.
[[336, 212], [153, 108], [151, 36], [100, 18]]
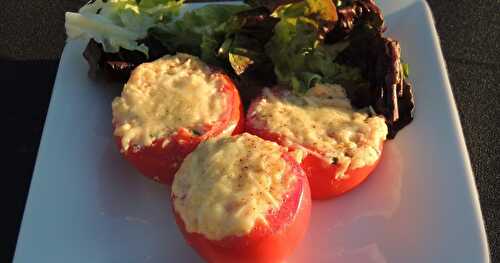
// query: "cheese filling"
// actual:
[[226, 185], [165, 95], [324, 121]]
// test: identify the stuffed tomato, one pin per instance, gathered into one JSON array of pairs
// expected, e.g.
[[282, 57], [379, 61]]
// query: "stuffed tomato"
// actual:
[[241, 199], [339, 146], [167, 108]]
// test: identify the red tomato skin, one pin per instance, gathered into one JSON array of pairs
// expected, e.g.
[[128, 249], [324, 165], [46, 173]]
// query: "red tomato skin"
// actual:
[[265, 243], [240, 126], [320, 173], [161, 163]]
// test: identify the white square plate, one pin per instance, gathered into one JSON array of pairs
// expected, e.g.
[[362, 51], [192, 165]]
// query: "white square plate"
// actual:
[[86, 204]]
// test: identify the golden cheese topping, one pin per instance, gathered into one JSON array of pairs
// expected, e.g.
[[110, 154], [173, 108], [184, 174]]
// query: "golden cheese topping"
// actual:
[[228, 184], [164, 95], [324, 120]]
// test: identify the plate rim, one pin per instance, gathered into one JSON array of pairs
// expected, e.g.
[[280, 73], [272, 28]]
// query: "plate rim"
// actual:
[[455, 118]]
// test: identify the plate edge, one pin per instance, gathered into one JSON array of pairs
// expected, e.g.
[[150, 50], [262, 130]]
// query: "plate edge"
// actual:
[[458, 126], [42, 144]]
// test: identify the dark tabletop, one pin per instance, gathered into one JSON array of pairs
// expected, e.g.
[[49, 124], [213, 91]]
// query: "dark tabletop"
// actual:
[[31, 41]]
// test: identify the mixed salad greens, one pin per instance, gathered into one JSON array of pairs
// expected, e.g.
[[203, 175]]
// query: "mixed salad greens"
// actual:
[[293, 43], [120, 24]]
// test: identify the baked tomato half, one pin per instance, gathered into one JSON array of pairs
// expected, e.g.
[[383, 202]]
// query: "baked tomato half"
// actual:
[[167, 108], [338, 145], [241, 199]]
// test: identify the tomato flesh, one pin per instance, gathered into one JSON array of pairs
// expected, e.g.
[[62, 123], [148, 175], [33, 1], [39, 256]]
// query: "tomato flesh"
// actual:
[[160, 163], [265, 243]]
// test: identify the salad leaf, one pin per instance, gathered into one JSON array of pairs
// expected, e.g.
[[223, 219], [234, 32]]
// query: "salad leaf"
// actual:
[[117, 66], [199, 32], [299, 56], [119, 23], [406, 70], [356, 15], [293, 41], [256, 23], [239, 63], [246, 34], [390, 93], [325, 9], [271, 5]]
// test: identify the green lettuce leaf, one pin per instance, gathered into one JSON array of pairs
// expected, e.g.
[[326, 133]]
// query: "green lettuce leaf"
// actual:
[[406, 70], [199, 32], [246, 34], [120, 23], [299, 56], [319, 10]]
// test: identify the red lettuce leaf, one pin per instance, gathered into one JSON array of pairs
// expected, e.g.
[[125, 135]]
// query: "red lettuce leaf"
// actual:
[[390, 93], [118, 66]]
